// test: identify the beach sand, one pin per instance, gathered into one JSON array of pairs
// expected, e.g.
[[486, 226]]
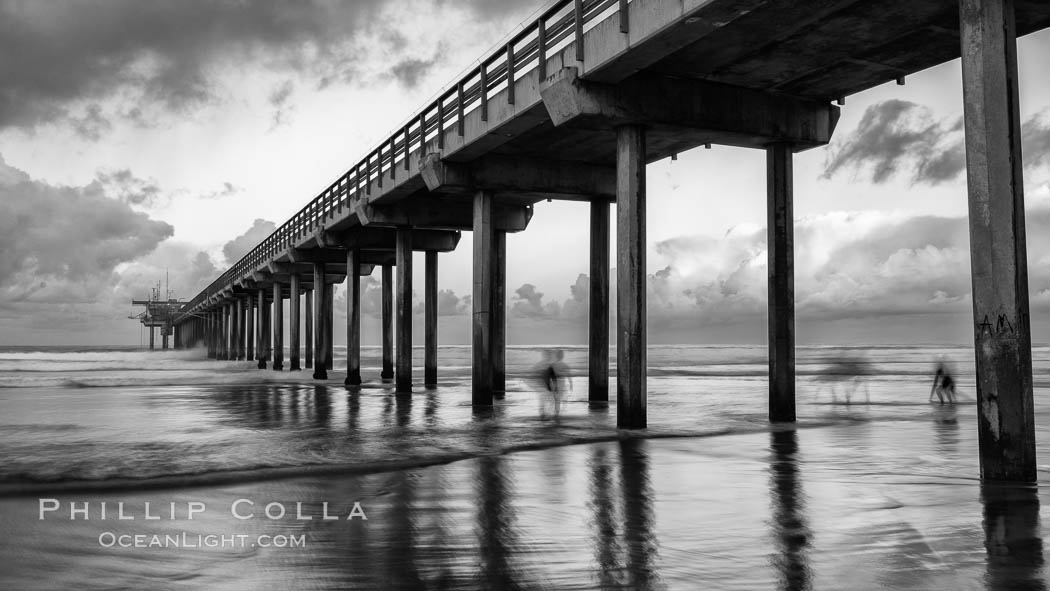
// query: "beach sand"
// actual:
[[857, 504]]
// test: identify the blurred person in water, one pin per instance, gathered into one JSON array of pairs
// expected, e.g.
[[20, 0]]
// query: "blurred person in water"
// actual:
[[943, 385]]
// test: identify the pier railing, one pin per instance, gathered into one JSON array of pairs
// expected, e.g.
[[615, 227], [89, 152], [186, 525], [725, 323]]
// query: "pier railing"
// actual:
[[563, 23]]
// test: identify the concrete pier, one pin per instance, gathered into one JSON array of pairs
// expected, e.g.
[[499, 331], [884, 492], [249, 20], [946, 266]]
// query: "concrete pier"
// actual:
[[630, 277], [224, 337], [578, 114], [308, 329], [482, 315], [353, 318], [152, 344], [294, 323], [430, 318], [278, 326], [388, 323], [267, 336], [320, 365], [598, 314], [240, 328], [249, 326], [260, 329], [329, 326], [403, 382], [781, 283], [998, 256], [499, 313]]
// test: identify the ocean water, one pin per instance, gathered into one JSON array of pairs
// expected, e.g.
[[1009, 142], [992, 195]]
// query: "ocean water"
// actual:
[[875, 488], [97, 417]]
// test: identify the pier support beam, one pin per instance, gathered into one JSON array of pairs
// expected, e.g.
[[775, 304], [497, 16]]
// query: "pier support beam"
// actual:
[[499, 313], [781, 282], [224, 331], [321, 366], [278, 326], [329, 326], [309, 328], [353, 318], [998, 257], [403, 253], [249, 325], [209, 333], [484, 277], [598, 325], [430, 317], [630, 277], [294, 322], [388, 323], [260, 329], [151, 338]]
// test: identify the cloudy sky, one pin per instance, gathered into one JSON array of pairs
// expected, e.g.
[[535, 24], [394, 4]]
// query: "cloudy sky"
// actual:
[[139, 138]]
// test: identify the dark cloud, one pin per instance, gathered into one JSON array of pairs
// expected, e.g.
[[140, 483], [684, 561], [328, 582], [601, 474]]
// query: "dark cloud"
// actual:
[[235, 249], [895, 135], [127, 187], [899, 137], [279, 101], [66, 243], [410, 72], [55, 58]]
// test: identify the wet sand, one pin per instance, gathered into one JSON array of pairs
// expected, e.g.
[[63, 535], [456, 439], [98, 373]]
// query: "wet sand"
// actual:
[[858, 504]]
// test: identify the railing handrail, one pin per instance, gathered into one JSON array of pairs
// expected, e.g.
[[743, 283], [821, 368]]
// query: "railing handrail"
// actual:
[[507, 62]]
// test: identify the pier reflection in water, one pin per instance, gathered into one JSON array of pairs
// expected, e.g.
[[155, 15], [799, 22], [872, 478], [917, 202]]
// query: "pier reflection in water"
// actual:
[[791, 533], [1012, 537]]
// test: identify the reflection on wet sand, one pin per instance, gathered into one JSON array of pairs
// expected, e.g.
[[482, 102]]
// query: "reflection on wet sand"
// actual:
[[639, 531], [946, 428], [495, 530], [791, 534], [1012, 537], [602, 503]]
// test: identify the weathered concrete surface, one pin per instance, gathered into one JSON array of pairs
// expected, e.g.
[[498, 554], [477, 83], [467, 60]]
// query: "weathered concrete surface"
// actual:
[[353, 319], [630, 279], [278, 326], [499, 313], [598, 314], [294, 321], [481, 315], [781, 282], [706, 111], [528, 179], [998, 258], [319, 324], [430, 318], [443, 212], [261, 328], [387, 372], [403, 380], [308, 329]]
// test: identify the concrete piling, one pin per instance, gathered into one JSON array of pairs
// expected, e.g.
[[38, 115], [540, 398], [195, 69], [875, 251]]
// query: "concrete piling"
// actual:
[[430, 292], [278, 326], [353, 318], [781, 283], [598, 324], [998, 256], [630, 277], [320, 366], [294, 322], [388, 323]]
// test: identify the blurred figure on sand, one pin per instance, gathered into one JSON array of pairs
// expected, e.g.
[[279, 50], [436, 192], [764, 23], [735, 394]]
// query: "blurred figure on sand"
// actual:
[[943, 385], [848, 371], [554, 381]]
